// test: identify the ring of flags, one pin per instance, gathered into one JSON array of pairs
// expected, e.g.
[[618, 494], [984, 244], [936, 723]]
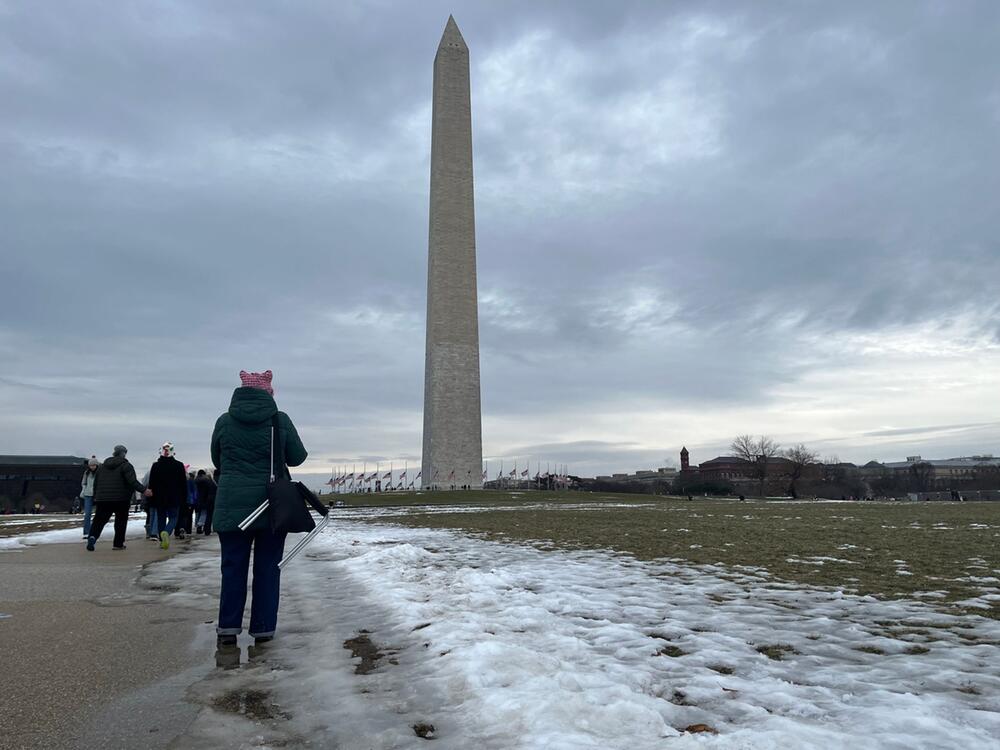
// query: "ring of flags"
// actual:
[[353, 480]]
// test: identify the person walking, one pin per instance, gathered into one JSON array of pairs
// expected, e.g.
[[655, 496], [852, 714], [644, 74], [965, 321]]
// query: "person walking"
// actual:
[[113, 487], [206, 501], [150, 511], [168, 482], [185, 512], [87, 492], [242, 451]]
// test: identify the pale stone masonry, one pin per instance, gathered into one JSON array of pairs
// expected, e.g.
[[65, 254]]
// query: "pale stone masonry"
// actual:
[[453, 443]]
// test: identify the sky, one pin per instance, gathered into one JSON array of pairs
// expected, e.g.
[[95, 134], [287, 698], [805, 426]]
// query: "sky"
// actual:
[[694, 220]]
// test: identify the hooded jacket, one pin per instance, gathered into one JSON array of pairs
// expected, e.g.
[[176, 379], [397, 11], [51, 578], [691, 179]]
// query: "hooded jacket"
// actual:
[[241, 449], [168, 481], [115, 481]]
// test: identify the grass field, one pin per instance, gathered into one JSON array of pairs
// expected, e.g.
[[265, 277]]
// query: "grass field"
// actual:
[[938, 552]]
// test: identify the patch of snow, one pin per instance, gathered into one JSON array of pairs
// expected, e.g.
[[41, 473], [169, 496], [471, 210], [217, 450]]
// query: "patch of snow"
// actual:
[[507, 646], [135, 529]]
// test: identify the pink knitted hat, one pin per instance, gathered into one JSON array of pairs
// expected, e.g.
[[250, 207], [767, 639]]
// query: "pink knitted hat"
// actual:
[[260, 380]]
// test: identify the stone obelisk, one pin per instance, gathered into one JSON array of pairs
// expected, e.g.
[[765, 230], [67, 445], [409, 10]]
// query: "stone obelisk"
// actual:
[[453, 441]]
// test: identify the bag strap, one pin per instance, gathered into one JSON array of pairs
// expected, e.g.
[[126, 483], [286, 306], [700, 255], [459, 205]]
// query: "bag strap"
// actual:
[[274, 425], [274, 438]]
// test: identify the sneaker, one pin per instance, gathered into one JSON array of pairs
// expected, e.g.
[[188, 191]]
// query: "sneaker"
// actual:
[[199, 530], [164, 540], [225, 640], [122, 547], [91, 541], [179, 533], [260, 641]]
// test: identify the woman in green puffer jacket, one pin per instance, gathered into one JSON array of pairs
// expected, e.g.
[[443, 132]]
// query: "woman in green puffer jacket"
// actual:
[[241, 450]]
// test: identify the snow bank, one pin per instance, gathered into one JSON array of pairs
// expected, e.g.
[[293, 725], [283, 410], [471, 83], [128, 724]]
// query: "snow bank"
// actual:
[[74, 533]]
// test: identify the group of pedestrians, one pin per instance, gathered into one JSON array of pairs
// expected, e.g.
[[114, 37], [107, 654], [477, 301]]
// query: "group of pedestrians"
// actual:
[[252, 441], [175, 498]]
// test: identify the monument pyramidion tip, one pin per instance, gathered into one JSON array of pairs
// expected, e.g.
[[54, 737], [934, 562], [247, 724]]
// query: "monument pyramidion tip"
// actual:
[[452, 37]]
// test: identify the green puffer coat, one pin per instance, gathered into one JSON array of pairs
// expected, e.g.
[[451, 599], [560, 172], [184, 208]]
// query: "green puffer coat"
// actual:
[[241, 450]]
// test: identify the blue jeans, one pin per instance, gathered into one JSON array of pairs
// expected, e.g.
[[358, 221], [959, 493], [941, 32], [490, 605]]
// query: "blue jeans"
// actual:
[[268, 548], [88, 508], [166, 518], [151, 526]]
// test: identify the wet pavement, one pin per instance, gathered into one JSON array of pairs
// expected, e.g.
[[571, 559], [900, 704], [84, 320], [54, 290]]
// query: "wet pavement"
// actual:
[[88, 657]]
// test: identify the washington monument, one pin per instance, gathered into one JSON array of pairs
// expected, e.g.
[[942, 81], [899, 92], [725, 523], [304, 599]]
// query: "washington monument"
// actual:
[[453, 439]]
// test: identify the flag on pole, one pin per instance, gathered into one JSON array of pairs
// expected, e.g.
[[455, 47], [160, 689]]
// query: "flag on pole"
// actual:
[[524, 473], [417, 476], [387, 475]]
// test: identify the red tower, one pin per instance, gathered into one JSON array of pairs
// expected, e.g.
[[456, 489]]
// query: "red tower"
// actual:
[[685, 463]]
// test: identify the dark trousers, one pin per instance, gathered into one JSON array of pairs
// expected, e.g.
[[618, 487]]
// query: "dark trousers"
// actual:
[[268, 548], [184, 518], [209, 511], [103, 513]]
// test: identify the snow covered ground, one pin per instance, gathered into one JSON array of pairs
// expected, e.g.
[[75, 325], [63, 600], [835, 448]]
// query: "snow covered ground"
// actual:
[[508, 646], [65, 529]]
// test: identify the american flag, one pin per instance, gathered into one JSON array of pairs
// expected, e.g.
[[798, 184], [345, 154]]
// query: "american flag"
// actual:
[[512, 473], [417, 476], [484, 475], [524, 473], [387, 475], [451, 475], [403, 475]]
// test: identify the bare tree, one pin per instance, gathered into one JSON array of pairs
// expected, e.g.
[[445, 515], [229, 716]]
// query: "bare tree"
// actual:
[[799, 457], [758, 452], [922, 475]]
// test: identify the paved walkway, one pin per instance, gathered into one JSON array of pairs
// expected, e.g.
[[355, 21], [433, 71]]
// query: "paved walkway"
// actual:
[[88, 658]]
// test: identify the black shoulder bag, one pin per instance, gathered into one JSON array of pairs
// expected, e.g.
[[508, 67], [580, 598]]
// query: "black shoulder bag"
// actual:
[[287, 499]]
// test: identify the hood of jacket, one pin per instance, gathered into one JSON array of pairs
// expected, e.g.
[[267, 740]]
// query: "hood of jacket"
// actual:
[[114, 462], [252, 406]]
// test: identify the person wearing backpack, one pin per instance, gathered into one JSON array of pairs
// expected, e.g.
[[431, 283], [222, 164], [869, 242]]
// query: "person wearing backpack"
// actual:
[[242, 446], [87, 493]]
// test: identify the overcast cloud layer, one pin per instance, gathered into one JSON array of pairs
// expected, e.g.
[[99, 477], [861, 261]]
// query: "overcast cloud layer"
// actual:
[[694, 220]]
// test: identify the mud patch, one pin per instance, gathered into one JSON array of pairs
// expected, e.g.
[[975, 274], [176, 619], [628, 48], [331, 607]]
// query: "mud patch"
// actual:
[[424, 731], [776, 651], [362, 647], [254, 704]]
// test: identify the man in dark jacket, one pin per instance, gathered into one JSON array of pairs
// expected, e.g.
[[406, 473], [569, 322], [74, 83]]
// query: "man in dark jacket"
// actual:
[[113, 487], [168, 481]]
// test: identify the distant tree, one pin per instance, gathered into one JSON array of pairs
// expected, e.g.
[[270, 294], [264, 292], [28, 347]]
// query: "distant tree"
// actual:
[[799, 457], [758, 452], [921, 474]]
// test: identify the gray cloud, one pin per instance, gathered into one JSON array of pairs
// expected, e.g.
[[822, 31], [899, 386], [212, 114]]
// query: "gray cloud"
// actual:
[[693, 221]]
